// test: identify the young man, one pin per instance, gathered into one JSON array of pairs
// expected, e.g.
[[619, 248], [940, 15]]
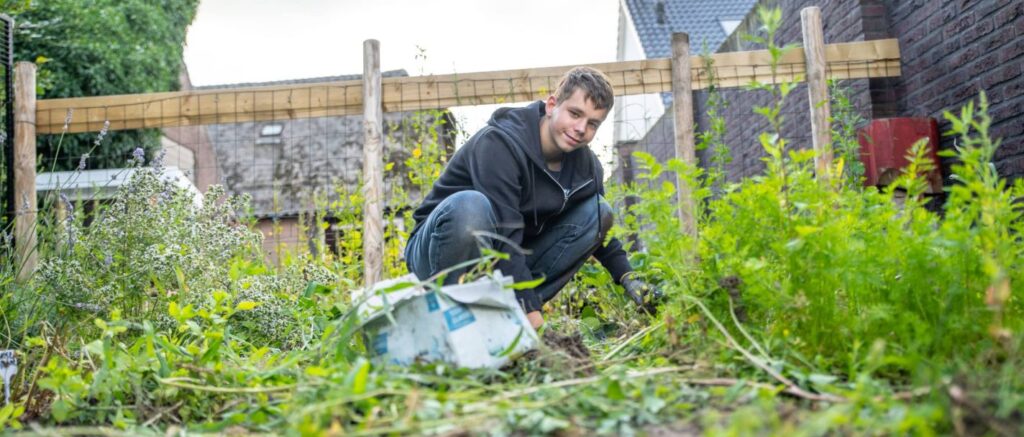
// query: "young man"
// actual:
[[530, 178]]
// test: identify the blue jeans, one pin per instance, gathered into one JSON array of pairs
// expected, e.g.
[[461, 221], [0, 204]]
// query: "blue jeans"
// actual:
[[450, 236]]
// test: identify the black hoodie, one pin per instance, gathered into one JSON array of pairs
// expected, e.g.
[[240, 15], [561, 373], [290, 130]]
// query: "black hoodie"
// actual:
[[504, 162]]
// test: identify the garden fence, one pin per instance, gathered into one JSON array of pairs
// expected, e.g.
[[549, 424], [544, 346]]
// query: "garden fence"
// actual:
[[6, 117], [283, 143]]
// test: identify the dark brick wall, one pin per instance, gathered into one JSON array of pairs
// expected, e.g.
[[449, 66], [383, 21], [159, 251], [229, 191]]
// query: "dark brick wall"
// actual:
[[949, 51], [843, 22]]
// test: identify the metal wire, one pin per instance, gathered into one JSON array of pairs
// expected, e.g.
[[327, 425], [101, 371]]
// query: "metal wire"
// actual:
[[226, 136]]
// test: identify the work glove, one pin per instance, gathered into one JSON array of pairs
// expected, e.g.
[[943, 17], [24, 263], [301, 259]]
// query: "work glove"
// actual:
[[644, 295]]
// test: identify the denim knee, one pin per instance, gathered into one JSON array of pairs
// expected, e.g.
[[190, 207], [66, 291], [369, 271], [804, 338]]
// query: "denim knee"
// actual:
[[606, 219], [595, 216], [451, 234], [464, 215]]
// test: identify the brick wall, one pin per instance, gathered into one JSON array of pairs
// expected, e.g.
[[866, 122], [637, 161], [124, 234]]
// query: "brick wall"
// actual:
[[949, 51], [952, 49]]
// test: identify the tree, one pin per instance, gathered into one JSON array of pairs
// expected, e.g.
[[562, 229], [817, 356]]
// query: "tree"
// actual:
[[102, 47]]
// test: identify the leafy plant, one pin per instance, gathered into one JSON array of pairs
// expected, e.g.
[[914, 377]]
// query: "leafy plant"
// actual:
[[102, 47], [798, 308], [845, 122]]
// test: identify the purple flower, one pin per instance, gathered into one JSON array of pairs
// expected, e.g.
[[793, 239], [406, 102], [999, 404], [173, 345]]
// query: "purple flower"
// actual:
[[71, 239], [83, 161], [103, 132], [87, 307], [67, 205], [139, 155], [67, 118], [158, 161]]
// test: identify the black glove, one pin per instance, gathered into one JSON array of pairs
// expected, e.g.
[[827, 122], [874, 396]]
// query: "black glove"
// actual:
[[644, 295]]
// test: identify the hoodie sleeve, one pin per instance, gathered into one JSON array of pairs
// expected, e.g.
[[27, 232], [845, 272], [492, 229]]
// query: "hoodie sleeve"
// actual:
[[495, 171], [611, 255]]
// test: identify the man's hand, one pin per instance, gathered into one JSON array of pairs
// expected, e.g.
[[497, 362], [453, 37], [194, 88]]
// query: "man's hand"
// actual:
[[644, 295], [535, 319]]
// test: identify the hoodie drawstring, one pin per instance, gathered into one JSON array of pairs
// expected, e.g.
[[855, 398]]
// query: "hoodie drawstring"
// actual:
[[533, 194]]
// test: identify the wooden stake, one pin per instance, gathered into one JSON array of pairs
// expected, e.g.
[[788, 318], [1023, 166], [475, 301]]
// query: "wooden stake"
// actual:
[[373, 165], [25, 168], [682, 105], [817, 90]]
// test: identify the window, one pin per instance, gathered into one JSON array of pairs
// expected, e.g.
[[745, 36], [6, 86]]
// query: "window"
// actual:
[[270, 134]]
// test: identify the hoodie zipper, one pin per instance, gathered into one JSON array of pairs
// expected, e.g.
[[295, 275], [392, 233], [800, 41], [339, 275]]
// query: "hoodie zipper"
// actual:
[[565, 192]]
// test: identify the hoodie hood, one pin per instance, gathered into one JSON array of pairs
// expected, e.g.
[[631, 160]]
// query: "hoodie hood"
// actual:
[[521, 126]]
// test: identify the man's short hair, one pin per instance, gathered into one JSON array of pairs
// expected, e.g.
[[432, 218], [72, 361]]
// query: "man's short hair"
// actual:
[[595, 85]]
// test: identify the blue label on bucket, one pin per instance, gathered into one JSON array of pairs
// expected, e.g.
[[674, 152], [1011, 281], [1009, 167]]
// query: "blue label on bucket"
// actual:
[[380, 343], [458, 316], [432, 304]]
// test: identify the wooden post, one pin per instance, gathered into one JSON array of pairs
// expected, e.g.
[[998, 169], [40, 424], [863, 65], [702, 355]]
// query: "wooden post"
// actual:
[[682, 104], [817, 91], [25, 168], [373, 165]]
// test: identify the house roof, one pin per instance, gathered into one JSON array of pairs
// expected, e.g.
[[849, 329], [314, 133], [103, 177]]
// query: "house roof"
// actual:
[[103, 184], [656, 20], [344, 77], [284, 169]]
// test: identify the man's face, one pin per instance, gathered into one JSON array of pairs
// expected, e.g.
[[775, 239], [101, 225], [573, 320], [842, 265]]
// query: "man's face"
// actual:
[[574, 122]]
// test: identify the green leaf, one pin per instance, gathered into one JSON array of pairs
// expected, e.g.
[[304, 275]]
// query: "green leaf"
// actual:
[[246, 305], [614, 391], [527, 284], [9, 415], [806, 230], [317, 371], [94, 347], [361, 379], [315, 287], [819, 379], [397, 286], [515, 342], [61, 410]]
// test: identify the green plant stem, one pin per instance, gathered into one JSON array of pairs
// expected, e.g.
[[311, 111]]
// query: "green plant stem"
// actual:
[[581, 381], [796, 390], [178, 382], [739, 326], [618, 348]]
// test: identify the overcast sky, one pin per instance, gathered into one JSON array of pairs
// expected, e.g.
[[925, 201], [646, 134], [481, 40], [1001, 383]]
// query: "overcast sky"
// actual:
[[261, 40], [234, 41]]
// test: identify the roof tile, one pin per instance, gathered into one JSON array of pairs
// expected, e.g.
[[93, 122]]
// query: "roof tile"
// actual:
[[656, 20]]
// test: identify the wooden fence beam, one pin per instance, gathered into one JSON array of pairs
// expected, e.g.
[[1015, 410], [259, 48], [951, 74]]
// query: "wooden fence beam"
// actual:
[[25, 169], [373, 165], [817, 91], [682, 107], [876, 58]]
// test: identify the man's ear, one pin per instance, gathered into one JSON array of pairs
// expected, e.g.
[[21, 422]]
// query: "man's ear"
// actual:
[[550, 104]]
